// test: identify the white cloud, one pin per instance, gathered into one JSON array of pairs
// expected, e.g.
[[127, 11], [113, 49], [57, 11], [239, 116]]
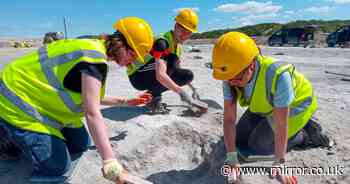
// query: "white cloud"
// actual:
[[249, 7], [318, 10], [251, 19], [247, 23], [340, 1], [176, 10], [262, 16]]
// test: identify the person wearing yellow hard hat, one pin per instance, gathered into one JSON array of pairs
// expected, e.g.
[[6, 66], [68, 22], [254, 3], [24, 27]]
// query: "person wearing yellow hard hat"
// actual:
[[45, 94], [161, 70], [280, 102]]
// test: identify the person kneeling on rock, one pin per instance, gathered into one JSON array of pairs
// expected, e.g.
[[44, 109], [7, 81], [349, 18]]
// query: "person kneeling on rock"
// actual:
[[280, 102]]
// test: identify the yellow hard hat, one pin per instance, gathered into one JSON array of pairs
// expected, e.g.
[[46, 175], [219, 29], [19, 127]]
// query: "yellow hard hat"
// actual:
[[232, 53], [138, 34], [188, 19]]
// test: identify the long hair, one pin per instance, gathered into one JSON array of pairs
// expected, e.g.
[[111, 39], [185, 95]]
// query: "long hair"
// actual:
[[115, 44]]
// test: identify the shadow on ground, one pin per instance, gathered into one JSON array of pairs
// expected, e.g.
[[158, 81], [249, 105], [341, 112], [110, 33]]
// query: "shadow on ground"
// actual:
[[119, 137], [212, 104], [123, 113]]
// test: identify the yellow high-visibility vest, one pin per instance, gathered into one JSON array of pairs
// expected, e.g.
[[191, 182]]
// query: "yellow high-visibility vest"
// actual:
[[261, 101], [32, 95]]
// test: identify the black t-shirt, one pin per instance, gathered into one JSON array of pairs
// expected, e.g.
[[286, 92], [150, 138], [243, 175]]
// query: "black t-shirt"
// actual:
[[161, 45], [72, 80]]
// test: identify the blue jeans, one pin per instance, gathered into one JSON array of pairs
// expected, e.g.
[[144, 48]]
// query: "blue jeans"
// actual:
[[254, 135], [50, 155]]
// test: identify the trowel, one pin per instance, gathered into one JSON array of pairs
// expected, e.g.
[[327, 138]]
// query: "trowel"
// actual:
[[199, 105], [130, 179], [196, 103]]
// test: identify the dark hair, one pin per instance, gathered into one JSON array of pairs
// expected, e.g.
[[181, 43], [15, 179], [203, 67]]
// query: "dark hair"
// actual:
[[121, 37], [114, 42]]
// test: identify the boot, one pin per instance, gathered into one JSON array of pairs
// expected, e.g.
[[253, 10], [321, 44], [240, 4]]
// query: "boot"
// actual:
[[157, 107], [314, 136]]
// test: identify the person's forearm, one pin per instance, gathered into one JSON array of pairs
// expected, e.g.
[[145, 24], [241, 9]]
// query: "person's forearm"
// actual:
[[166, 81], [163, 77], [280, 119], [229, 135], [230, 114], [113, 100], [98, 131], [281, 140]]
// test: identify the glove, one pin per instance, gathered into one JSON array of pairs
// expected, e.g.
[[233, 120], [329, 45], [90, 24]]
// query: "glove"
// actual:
[[140, 100], [185, 98], [232, 158], [111, 169], [195, 94]]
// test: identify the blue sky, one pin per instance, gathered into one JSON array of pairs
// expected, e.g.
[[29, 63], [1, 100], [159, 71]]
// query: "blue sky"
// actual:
[[32, 18]]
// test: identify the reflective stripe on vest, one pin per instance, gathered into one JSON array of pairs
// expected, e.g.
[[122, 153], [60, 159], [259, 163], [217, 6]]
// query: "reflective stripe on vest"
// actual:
[[136, 65], [301, 107], [25, 107], [48, 63], [270, 73]]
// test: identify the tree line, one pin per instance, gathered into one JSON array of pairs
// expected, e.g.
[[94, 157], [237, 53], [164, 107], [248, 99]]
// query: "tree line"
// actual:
[[266, 29]]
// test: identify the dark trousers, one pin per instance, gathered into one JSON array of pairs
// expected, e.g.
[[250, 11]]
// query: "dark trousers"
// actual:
[[145, 78], [255, 135], [50, 155]]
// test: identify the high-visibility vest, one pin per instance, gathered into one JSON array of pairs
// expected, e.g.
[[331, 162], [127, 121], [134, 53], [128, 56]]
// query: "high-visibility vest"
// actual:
[[261, 101], [32, 95], [175, 49]]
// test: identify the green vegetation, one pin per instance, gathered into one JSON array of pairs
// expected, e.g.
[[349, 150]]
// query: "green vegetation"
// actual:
[[266, 29]]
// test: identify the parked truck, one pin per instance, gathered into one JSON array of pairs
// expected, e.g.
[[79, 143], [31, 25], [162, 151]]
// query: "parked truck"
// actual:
[[299, 36], [340, 38]]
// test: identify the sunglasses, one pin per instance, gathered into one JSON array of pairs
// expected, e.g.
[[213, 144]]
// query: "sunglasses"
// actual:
[[240, 75], [183, 29]]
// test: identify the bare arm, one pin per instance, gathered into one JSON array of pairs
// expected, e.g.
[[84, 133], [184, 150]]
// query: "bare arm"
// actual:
[[141, 99], [230, 113], [163, 77], [113, 100], [280, 119], [97, 127]]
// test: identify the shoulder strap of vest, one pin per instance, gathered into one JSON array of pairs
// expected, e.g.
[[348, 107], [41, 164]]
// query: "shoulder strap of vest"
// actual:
[[273, 71], [48, 63], [168, 36]]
